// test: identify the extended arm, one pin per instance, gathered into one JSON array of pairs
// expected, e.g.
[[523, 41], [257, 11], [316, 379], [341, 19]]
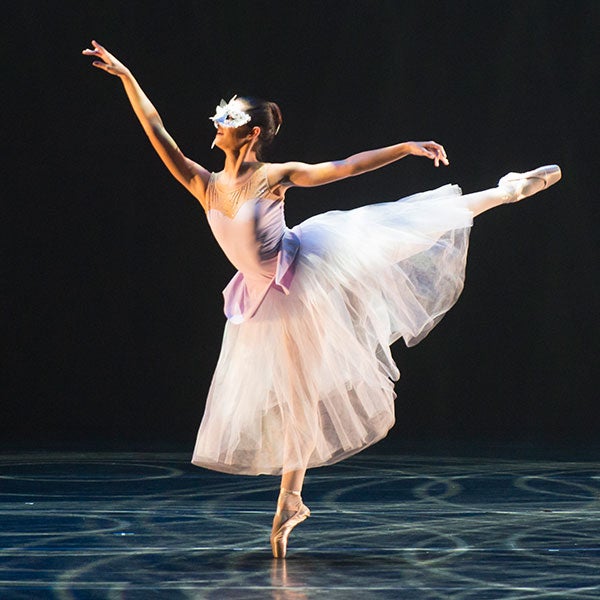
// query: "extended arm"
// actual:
[[190, 174], [306, 175]]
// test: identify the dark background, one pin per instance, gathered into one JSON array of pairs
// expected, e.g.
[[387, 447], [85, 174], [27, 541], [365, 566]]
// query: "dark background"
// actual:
[[112, 305]]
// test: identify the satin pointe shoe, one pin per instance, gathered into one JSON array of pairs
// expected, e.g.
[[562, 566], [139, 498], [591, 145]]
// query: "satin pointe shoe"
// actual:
[[285, 520], [522, 185]]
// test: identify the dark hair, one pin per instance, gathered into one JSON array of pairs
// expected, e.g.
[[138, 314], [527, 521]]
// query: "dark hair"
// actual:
[[265, 115]]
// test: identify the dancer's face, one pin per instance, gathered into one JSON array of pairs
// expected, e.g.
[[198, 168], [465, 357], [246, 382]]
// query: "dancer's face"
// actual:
[[234, 138]]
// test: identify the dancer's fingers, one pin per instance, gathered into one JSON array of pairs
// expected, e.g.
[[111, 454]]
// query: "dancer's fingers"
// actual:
[[102, 65], [101, 51], [441, 155], [96, 50]]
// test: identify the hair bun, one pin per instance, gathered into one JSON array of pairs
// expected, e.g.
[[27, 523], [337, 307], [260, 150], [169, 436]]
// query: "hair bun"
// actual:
[[277, 117], [265, 115]]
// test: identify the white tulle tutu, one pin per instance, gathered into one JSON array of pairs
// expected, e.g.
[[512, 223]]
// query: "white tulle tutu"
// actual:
[[308, 380]]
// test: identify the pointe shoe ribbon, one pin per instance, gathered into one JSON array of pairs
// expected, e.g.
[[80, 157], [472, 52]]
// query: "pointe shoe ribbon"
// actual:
[[522, 185]]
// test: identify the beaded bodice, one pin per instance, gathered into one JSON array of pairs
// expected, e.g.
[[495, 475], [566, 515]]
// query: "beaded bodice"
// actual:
[[249, 224], [247, 221], [229, 201]]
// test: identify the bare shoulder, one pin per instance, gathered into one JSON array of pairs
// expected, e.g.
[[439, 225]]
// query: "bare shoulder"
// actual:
[[279, 174], [198, 181]]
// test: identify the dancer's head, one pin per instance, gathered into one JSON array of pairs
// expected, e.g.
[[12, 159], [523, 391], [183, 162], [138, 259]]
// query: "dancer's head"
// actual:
[[249, 117]]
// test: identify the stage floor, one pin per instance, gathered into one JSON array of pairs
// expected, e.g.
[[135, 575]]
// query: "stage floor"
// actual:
[[143, 526]]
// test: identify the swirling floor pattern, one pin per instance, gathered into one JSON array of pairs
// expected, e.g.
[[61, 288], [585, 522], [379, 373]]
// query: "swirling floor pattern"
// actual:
[[141, 526]]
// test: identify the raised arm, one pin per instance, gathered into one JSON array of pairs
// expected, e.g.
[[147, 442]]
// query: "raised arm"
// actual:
[[190, 174], [306, 175]]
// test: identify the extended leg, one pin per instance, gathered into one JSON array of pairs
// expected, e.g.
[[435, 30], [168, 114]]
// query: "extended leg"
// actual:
[[512, 187], [479, 202]]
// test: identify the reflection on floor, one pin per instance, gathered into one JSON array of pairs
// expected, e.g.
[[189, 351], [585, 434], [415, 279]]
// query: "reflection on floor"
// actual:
[[143, 526]]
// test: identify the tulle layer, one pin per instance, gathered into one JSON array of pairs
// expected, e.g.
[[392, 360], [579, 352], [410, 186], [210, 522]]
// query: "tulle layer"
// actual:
[[308, 381]]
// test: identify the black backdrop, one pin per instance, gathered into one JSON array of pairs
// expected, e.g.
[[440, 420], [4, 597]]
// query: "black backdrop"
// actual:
[[113, 313]]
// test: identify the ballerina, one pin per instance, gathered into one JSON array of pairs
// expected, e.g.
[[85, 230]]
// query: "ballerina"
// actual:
[[305, 374]]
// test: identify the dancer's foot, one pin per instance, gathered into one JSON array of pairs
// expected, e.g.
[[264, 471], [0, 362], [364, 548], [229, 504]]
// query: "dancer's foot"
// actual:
[[522, 185], [290, 512]]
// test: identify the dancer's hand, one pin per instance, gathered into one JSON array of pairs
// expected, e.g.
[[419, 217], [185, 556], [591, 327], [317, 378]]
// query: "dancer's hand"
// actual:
[[431, 150], [107, 61]]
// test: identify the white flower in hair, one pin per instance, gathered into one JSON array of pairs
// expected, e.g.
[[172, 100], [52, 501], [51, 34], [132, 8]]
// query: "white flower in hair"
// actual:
[[230, 114]]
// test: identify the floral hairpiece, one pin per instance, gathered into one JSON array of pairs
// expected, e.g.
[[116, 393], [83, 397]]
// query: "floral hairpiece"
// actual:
[[230, 114]]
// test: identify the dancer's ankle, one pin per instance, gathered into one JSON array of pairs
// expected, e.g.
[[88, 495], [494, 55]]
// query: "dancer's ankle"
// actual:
[[289, 500]]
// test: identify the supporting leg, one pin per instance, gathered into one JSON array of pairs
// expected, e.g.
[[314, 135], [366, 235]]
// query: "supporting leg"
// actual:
[[293, 480], [297, 417], [290, 511]]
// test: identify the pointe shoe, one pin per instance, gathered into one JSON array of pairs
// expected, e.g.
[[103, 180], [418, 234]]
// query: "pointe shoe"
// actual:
[[282, 527], [522, 185]]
